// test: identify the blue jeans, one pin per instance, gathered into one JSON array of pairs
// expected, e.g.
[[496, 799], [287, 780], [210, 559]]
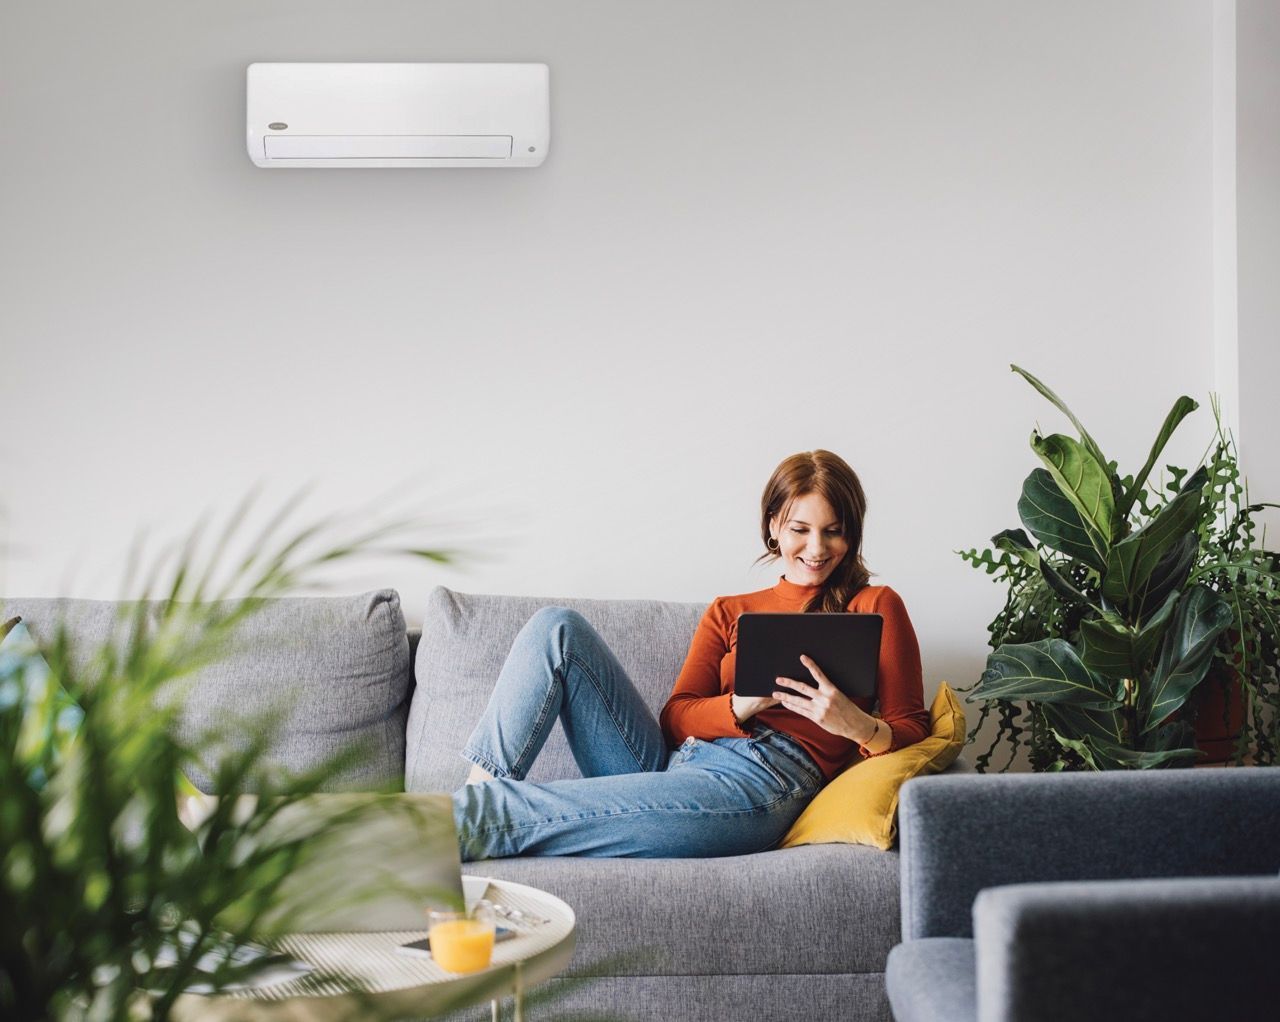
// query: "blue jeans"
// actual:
[[725, 796]]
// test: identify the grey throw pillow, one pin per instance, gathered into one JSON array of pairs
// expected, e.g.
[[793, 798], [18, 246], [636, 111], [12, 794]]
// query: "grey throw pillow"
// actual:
[[339, 666]]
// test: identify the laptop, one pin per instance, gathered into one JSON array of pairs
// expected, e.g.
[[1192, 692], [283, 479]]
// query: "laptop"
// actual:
[[846, 647], [382, 874]]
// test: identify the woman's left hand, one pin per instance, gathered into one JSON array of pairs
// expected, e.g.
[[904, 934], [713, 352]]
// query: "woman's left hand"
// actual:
[[825, 705]]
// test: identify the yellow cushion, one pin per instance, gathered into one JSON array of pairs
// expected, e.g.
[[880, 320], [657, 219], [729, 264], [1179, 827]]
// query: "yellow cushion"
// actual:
[[860, 805]]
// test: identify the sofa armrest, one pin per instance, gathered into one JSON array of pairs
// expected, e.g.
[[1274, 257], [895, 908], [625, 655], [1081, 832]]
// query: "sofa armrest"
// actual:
[[1177, 949], [960, 834]]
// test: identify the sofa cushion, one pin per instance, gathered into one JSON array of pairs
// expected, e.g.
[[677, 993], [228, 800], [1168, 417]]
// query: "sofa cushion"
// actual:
[[823, 909], [848, 997], [931, 979], [860, 806], [465, 640], [340, 664]]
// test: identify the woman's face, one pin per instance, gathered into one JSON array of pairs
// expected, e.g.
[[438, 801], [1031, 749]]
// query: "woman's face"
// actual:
[[809, 541]]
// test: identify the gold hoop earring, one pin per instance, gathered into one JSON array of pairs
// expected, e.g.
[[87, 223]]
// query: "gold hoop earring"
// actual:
[[771, 543]]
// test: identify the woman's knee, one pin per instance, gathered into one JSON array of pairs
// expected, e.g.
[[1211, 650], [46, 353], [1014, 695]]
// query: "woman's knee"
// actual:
[[556, 621]]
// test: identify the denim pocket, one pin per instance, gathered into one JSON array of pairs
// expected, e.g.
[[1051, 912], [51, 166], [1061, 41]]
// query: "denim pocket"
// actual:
[[682, 752], [786, 760], [785, 786]]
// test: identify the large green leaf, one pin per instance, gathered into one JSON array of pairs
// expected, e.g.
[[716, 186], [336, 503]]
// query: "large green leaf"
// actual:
[[1184, 658], [1169, 575], [1061, 585], [1176, 734], [1084, 721], [1082, 481], [1117, 757], [1133, 560], [1048, 671], [1054, 520], [1111, 648], [1104, 755], [1183, 407], [1085, 438]]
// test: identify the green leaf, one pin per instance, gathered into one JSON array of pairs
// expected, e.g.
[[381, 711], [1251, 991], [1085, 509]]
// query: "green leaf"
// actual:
[[988, 561], [1016, 542], [1183, 407], [1106, 646], [1133, 560], [1061, 586], [1048, 671], [1085, 721], [1101, 754], [1117, 757], [1079, 746], [1054, 520], [1176, 734], [1184, 658], [1169, 574], [1197, 481], [1082, 481], [1085, 438], [1112, 648]]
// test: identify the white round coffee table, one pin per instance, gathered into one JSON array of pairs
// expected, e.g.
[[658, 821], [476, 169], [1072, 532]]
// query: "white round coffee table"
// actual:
[[399, 985]]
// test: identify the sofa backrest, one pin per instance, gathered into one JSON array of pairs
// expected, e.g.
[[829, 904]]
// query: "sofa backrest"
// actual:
[[961, 834], [465, 640], [340, 665]]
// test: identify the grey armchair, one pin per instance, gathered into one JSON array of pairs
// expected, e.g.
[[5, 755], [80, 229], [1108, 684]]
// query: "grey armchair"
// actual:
[[1129, 896]]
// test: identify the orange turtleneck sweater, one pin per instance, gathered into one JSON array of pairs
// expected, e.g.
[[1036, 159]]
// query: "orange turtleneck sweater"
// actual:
[[699, 705]]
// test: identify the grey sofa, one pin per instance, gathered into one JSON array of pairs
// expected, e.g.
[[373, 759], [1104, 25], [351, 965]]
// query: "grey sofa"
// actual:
[[796, 933], [1118, 896]]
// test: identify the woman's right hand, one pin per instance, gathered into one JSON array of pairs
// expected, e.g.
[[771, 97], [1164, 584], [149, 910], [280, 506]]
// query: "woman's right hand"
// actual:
[[746, 707]]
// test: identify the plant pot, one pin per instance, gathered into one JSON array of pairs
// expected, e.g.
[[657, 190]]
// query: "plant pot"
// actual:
[[1219, 715]]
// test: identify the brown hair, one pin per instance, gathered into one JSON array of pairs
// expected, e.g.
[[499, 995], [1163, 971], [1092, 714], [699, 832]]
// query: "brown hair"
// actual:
[[829, 476]]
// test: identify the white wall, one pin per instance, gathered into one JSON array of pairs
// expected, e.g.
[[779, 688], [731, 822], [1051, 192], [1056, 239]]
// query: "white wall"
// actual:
[[1226, 269], [763, 227], [1258, 211]]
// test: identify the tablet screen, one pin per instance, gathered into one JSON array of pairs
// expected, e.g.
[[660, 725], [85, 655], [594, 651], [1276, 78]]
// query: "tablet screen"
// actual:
[[845, 646]]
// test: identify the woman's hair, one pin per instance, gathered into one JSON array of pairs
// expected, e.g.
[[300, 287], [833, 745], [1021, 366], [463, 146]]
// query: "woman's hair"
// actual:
[[829, 476]]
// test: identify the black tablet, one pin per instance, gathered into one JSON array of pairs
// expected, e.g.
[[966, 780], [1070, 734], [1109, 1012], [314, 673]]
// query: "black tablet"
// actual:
[[845, 646]]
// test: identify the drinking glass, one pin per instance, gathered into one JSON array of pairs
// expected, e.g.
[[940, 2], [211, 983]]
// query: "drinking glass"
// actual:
[[461, 941]]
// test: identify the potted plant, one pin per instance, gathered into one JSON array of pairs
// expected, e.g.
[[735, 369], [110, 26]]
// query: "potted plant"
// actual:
[[1123, 595], [111, 907]]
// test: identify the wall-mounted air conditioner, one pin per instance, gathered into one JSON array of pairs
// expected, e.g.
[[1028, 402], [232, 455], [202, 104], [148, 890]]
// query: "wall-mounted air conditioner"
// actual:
[[398, 115]]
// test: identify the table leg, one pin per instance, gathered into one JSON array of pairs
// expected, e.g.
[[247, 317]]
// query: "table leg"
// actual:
[[493, 1010], [519, 997]]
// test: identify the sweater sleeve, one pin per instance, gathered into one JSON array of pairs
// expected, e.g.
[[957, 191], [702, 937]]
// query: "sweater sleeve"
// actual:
[[900, 680], [697, 708]]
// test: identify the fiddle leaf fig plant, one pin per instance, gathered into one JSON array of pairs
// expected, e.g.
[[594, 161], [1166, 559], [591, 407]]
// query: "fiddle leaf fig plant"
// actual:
[[1122, 597]]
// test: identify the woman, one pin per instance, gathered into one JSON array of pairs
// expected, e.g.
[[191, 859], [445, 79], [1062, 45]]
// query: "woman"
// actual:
[[718, 773]]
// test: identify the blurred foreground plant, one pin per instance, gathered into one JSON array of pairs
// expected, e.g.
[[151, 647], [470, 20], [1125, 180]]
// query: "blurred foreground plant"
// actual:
[[109, 906]]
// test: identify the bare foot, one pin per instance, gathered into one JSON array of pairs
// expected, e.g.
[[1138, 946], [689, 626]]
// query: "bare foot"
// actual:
[[478, 775]]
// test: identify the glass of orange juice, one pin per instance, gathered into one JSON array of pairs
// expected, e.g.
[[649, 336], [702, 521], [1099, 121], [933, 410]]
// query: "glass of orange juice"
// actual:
[[461, 941]]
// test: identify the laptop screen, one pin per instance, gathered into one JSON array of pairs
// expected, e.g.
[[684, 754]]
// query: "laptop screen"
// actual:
[[380, 863]]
